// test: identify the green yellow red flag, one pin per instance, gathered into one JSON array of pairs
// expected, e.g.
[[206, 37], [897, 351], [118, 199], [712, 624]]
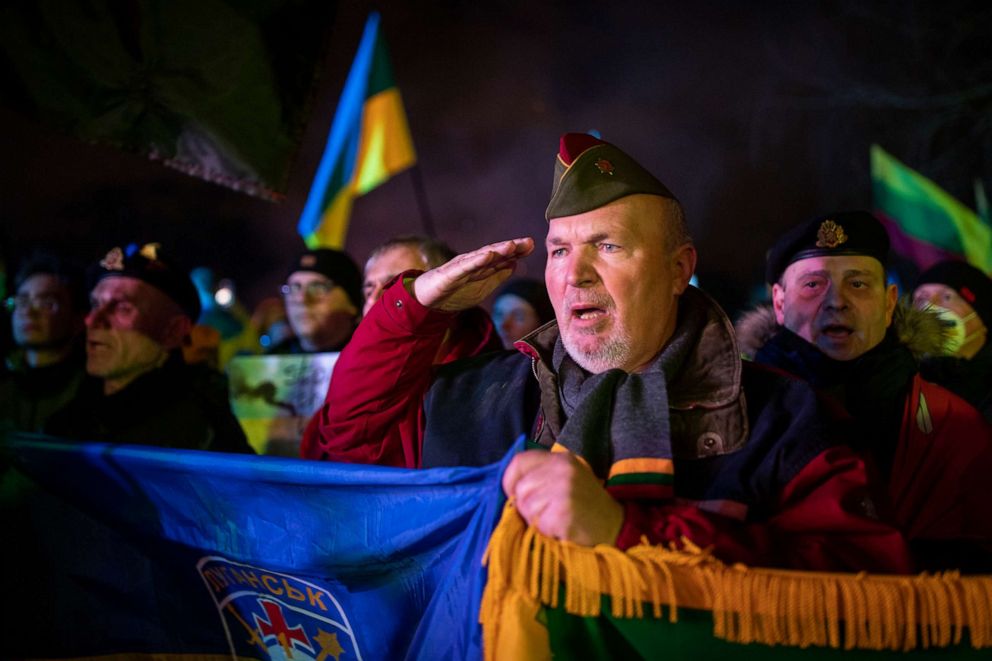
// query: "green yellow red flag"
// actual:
[[926, 223]]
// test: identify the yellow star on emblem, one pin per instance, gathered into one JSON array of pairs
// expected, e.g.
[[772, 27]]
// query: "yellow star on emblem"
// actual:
[[329, 645]]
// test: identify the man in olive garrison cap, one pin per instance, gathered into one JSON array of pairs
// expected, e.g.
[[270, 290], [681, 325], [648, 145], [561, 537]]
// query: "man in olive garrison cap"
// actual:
[[836, 323], [656, 428], [142, 307]]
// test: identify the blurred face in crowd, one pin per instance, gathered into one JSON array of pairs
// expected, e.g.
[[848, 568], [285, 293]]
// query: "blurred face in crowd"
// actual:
[[514, 317], [43, 316], [936, 294], [130, 330], [382, 268], [319, 311], [614, 282], [838, 303]]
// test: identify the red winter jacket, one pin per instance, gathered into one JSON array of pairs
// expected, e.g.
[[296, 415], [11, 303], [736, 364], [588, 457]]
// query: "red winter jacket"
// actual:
[[813, 518]]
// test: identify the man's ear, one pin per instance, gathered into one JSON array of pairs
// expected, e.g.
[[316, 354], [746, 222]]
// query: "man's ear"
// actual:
[[175, 331], [891, 298], [778, 303], [684, 263]]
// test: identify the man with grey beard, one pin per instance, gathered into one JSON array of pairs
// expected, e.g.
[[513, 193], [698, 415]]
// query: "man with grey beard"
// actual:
[[657, 430]]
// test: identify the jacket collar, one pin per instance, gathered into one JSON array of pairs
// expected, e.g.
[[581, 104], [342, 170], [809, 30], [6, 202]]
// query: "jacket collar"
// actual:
[[707, 389], [920, 331]]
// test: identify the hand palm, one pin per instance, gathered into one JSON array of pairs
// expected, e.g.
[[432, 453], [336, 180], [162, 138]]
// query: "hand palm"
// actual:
[[468, 279]]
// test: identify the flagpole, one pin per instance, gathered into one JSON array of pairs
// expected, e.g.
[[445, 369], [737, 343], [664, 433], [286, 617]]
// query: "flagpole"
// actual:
[[421, 194]]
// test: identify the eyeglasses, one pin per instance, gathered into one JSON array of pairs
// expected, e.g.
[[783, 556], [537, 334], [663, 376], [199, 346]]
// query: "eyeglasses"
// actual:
[[314, 289], [23, 302]]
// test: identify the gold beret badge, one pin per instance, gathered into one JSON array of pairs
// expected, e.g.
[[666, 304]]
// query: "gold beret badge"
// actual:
[[830, 235]]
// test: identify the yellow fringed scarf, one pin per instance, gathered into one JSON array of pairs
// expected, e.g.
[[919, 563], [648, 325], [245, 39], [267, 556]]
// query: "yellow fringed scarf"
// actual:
[[749, 605]]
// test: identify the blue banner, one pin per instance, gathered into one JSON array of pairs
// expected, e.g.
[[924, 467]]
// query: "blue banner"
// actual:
[[133, 550]]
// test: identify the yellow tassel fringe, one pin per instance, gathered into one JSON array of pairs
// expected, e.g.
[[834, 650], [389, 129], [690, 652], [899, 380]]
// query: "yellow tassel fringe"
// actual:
[[749, 605]]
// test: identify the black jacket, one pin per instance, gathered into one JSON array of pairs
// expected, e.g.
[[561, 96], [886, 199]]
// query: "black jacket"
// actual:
[[176, 405]]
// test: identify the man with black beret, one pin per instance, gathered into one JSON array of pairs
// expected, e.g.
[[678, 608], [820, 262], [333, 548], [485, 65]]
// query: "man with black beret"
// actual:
[[323, 296], [962, 296], [656, 429], [140, 391], [836, 323]]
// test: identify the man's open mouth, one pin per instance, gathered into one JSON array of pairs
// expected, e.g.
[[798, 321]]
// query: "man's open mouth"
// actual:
[[587, 313], [836, 330]]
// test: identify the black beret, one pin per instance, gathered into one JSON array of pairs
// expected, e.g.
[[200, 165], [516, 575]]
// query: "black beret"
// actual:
[[334, 265], [969, 282], [838, 233], [590, 173], [148, 264]]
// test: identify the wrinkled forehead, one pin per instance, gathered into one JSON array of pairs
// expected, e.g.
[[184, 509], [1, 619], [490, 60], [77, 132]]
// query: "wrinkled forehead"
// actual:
[[122, 286], [133, 290], [836, 266], [643, 216]]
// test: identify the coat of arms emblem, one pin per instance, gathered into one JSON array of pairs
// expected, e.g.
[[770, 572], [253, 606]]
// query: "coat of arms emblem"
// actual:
[[830, 235]]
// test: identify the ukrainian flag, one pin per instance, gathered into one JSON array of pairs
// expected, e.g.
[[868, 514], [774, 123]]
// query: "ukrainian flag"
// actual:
[[369, 143]]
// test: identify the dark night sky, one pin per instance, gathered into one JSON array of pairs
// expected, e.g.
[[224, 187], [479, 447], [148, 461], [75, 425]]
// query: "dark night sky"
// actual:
[[755, 114]]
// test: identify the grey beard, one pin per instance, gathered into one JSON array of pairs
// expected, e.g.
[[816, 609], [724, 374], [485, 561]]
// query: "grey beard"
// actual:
[[612, 353]]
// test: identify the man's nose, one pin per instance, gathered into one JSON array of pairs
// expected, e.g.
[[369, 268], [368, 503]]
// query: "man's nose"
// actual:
[[97, 317], [506, 325], [834, 298], [581, 272]]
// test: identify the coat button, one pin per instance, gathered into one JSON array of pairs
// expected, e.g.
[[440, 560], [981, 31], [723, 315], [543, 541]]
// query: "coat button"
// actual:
[[399, 304], [709, 443]]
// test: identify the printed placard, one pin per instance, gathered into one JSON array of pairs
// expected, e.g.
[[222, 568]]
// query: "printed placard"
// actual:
[[274, 397]]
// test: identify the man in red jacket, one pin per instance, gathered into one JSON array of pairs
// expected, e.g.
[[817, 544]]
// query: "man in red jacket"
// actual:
[[657, 430], [837, 325]]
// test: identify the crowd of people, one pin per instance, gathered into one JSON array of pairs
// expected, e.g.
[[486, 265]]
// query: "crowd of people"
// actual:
[[840, 427]]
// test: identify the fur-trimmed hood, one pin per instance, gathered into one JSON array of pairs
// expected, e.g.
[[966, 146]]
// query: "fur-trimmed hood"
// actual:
[[921, 331]]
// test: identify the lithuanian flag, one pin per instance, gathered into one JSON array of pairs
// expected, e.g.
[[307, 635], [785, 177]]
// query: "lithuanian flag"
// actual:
[[549, 599], [369, 143], [925, 223]]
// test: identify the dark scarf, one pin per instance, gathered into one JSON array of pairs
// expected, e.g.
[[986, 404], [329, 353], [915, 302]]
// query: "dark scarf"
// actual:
[[627, 411], [872, 387]]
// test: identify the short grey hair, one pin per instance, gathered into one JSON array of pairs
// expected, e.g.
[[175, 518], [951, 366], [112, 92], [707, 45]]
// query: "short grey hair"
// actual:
[[434, 251], [678, 230]]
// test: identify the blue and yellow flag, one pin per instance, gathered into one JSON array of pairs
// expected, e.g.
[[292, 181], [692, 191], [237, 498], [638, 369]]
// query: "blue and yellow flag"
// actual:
[[369, 143]]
